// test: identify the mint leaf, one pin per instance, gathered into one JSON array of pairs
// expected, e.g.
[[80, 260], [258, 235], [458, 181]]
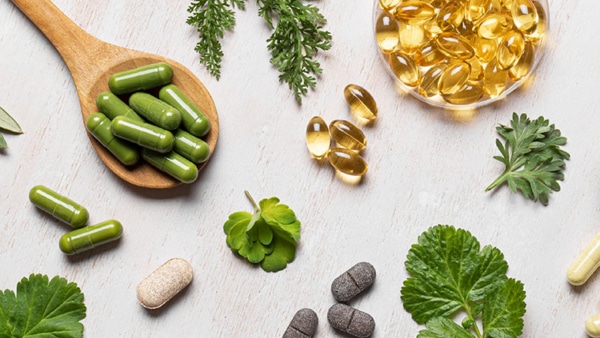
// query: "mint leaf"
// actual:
[[267, 237], [42, 308], [440, 327], [451, 274]]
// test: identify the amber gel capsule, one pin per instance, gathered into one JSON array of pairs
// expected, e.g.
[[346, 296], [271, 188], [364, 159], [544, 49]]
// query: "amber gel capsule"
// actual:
[[347, 135], [347, 161], [59, 206], [172, 164], [89, 237], [112, 106], [155, 110], [317, 137], [190, 147], [193, 119], [142, 78], [586, 263], [361, 102], [99, 126], [144, 134]]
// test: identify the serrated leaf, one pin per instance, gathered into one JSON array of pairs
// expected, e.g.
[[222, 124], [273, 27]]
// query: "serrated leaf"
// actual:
[[504, 309], [7, 122], [443, 328]]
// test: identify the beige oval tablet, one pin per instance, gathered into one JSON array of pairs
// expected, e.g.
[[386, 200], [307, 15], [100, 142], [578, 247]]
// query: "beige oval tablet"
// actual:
[[164, 283]]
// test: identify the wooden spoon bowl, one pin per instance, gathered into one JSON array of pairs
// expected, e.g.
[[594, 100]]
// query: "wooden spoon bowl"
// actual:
[[91, 63]]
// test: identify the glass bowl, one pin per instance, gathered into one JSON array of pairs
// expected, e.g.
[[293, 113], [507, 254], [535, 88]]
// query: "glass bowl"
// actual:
[[460, 54]]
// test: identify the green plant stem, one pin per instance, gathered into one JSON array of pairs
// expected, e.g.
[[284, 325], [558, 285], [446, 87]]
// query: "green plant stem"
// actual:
[[254, 204]]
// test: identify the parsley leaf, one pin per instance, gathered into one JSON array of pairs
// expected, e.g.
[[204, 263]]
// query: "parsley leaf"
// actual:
[[267, 237], [42, 308], [533, 159], [451, 274]]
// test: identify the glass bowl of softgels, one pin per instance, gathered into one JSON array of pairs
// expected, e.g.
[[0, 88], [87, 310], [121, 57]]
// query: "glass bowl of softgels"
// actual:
[[460, 54]]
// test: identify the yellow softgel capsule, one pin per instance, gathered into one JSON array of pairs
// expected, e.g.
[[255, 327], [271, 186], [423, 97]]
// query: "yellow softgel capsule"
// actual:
[[317, 137], [387, 32], [592, 326], [510, 49], [361, 102], [414, 12], [347, 161], [404, 68], [586, 263]]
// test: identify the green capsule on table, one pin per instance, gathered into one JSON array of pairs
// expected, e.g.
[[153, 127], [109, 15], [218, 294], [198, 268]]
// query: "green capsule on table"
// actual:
[[143, 134], [190, 147], [192, 117], [90, 237], [141, 78], [112, 106], [155, 110], [99, 126], [59, 206], [172, 164]]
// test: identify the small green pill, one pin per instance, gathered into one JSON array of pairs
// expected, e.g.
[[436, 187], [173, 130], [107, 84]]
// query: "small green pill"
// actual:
[[155, 110], [190, 147], [112, 106], [99, 126], [193, 118], [90, 237], [142, 78], [173, 164], [143, 134], [59, 206]]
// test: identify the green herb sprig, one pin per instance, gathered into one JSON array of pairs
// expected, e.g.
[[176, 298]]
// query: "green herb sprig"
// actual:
[[42, 307], [268, 236], [298, 35], [7, 123], [452, 275], [533, 159]]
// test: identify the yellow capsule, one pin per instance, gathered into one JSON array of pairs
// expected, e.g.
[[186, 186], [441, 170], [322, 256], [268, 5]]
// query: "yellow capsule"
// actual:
[[431, 29], [388, 5], [454, 46], [347, 135], [542, 23], [429, 54], [523, 66], [454, 78], [317, 136], [347, 161], [414, 12], [494, 79], [387, 32], [586, 263], [466, 30], [476, 69], [450, 16], [592, 326], [404, 68], [525, 16], [470, 93], [494, 25], [510, 49], [411, 38], [485, 49], [361, 102], [476, 9], [429, 83]]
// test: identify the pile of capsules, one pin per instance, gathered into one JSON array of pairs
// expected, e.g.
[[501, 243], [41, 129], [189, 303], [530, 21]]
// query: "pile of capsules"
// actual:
[[342, 141], [460, 51], [62, 208], [168, 128], [340, 316]]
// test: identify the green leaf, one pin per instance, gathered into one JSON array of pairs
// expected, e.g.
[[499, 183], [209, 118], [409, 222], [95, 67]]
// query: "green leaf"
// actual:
[[3, 144], [443, 328], [269, 236], [9, 123], [531, 154], [42, 308], [451, 274]]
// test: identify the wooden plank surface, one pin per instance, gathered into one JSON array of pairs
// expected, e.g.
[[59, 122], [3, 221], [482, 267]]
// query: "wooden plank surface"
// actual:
[[425, 168]]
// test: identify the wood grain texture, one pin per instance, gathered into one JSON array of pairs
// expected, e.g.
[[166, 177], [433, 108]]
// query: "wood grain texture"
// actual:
[[426, 167]]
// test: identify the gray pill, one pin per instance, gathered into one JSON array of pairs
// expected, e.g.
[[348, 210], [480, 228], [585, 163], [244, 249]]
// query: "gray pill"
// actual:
[[303, 325], [353, 281], [350, 320]]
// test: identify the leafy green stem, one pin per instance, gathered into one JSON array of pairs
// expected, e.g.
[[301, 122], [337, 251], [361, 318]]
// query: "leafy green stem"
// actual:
[[254, 204]]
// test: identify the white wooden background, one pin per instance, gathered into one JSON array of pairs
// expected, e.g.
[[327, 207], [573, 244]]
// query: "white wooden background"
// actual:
[[425, 168]]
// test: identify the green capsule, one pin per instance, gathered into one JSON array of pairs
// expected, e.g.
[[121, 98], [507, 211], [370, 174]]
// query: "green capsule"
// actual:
[[192, 117], [58, 206], [99, 126], [142, 78], [90, 237], [112, 106], [190, 147], [155, 110], [143, 134], [173, 164]]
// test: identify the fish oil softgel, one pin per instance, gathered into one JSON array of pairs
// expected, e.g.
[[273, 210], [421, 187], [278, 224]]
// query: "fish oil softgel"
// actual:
[[460, 53]]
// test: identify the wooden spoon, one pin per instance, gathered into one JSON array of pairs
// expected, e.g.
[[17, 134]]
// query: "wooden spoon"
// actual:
[[92, 61]]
